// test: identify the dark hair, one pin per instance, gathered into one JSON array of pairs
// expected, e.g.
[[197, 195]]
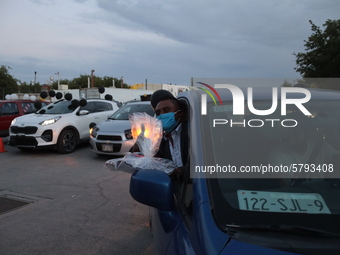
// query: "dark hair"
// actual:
[[176, 102], [182, 105]]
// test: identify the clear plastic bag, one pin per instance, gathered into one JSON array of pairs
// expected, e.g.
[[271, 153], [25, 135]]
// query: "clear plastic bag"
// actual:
[[147, 131]]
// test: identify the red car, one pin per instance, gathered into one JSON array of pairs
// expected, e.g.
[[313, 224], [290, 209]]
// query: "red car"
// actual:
[[10, 109]]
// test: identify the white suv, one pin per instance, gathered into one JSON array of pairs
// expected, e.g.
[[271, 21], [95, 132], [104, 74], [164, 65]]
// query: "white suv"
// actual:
[[61, 125]]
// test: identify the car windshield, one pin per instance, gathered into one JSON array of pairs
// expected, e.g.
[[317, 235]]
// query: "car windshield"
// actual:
[[274, 170], [124, 112], [59, 107]]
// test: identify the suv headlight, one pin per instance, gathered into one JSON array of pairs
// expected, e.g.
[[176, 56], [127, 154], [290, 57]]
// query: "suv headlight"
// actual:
[[13, 121], [50, 121]]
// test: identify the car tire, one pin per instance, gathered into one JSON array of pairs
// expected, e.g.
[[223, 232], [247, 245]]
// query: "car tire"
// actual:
[[67, 141]]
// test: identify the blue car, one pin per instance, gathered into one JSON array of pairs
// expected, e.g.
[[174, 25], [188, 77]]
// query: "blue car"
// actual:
[[263, 177]]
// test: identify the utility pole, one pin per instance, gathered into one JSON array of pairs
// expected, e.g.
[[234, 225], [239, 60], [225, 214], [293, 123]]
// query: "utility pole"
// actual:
[[35, 77], [122, 82], [92, 78], [58, 80]]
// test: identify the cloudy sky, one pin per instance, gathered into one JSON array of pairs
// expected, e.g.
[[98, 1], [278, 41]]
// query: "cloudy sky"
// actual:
[[163, 41]]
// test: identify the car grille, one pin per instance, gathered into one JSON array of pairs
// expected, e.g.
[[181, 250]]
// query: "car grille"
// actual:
[[23, 141], [116, 148], [28, 130], [109, 138]]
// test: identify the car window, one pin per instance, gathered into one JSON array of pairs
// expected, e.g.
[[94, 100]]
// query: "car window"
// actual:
[[9, 109], [183, 187], [252, 143], [59, 107], [28, 107], [103, 106], [90, 106], [124, 112], [43, 104]]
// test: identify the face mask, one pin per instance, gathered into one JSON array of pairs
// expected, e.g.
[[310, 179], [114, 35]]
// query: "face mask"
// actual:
[[168, 121]]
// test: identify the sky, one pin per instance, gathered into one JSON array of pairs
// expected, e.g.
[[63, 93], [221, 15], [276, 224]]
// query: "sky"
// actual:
[[157, 41]]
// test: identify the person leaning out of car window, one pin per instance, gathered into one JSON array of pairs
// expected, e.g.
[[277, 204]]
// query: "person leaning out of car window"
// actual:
[[174, 144]]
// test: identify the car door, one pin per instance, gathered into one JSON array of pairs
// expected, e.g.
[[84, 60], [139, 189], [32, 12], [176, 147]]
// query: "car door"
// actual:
[[181, 242], [98, 111], [8, 111], [84, 121], [102, 110], [171, 229]]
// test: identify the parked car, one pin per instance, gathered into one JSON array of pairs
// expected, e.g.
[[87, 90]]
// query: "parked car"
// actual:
[[113, 136], [61, 125], [10, 109], [217, 209]]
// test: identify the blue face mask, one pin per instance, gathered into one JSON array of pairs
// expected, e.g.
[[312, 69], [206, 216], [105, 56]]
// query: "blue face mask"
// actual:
[[168, 121]]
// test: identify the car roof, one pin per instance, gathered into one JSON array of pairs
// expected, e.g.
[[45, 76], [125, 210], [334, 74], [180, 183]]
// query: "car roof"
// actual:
[[100, 100], [88, 100], [20, 100], [138, 102]]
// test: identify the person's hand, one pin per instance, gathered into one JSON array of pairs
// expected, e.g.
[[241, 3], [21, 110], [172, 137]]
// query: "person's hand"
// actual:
[[177, 173]]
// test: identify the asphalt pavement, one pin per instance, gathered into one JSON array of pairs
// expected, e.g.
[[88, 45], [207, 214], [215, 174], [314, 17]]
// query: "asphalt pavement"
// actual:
[[74, 204]]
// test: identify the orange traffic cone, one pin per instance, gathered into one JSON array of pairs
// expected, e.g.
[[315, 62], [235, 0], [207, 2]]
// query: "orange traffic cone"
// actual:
[[2, 147]]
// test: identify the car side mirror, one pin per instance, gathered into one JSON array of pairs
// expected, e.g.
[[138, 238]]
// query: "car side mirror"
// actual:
[[83, 112], [153, 188]]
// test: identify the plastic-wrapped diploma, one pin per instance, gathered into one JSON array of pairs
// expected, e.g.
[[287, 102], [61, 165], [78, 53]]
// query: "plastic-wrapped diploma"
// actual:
[[147, 132]]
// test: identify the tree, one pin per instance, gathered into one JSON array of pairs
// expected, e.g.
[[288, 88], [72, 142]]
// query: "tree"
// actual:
[[83, 81], [8, 84], [322, 56]]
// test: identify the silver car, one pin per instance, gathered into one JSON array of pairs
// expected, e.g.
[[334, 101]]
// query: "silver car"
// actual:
[[113, 136]]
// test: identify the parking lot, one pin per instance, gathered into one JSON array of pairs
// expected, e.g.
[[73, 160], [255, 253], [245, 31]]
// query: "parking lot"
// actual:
[[70, 204]]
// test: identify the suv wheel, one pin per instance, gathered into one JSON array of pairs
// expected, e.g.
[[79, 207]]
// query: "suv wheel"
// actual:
[[67, 141]]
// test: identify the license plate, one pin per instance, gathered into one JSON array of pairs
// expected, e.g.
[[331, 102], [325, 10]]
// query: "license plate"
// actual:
[[281, 202], [107, 147]]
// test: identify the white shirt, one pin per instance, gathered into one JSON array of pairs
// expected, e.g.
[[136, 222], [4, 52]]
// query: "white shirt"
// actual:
[[175, 147]]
